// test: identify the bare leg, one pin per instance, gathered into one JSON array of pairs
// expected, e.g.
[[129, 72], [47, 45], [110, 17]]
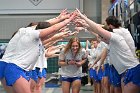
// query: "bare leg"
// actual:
[[32, 86], [131, 88], [22, 86], [40, 85], [76, 85], [106, 85], [111, 89], [65, 87], [117, 89]]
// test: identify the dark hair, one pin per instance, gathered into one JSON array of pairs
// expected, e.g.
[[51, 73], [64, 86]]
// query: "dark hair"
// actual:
[[42, 25], [32, 24], [113, 21]]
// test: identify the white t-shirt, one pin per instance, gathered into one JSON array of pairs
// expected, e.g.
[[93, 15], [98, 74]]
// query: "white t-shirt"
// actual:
[[120, 54], [92, 55], [42, 60], [128, 38], [23, 48], [71, 70]]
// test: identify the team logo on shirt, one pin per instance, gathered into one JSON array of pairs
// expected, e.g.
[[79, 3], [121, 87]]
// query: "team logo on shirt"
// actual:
[[35, 2]]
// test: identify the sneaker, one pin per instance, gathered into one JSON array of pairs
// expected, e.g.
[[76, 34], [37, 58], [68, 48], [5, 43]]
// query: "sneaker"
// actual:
[[88, 84]]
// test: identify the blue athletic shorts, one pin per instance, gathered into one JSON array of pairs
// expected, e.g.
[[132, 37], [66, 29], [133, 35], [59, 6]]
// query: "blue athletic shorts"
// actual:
[[41, 74], [100, 75], [92, 72], [44, 72], [70, 79], [115, 78], [106, 71], [34, 75], [14, 72], [132, 75], [28, 74], [2, 69], [96, 76]]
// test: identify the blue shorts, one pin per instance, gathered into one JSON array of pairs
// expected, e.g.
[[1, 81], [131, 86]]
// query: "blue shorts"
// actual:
[[34, 75], [70, 79], [100, 74], [132, 75], [28, 74], [2, 68], [44, 72], [106, 71], [92, 72], [114, 78], [41, 74], [96, 76], [14, 72]]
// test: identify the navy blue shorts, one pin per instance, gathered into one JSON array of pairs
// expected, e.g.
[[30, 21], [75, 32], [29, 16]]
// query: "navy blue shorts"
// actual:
[[70, 79], [96, 76], [132, 75], [14, 72], [100, 74], [106, 71], [114, 78], [2, 69], [92, 72]]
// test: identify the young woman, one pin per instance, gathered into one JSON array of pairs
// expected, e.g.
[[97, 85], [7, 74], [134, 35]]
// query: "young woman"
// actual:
[[71, 59]]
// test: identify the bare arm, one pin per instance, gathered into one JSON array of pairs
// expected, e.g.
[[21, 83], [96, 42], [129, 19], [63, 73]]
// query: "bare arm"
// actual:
[[96, 27], [63, 15], [55, 27]]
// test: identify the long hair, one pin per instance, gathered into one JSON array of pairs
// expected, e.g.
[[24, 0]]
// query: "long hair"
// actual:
[[69, 45]]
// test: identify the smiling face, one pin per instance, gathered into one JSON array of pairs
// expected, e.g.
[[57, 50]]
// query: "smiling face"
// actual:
[[75, 47]]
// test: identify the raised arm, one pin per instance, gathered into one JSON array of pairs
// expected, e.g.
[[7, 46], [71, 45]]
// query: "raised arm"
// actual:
[[96, 27], [55, 27], [63, 15]]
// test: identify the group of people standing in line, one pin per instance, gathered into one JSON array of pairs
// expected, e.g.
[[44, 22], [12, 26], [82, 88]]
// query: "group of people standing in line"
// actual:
[[23, 65]]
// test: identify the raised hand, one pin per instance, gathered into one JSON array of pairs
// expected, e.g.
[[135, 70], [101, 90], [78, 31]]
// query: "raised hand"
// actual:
[[64, 14], [79, 13]]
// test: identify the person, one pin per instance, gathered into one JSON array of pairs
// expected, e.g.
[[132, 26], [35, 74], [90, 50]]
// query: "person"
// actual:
[[71, 59], [40, 69], [120, 56], [22, 53], [114, 25]]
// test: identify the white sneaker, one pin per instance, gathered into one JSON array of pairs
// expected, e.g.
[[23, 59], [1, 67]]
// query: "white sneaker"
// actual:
[[88, 84]]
